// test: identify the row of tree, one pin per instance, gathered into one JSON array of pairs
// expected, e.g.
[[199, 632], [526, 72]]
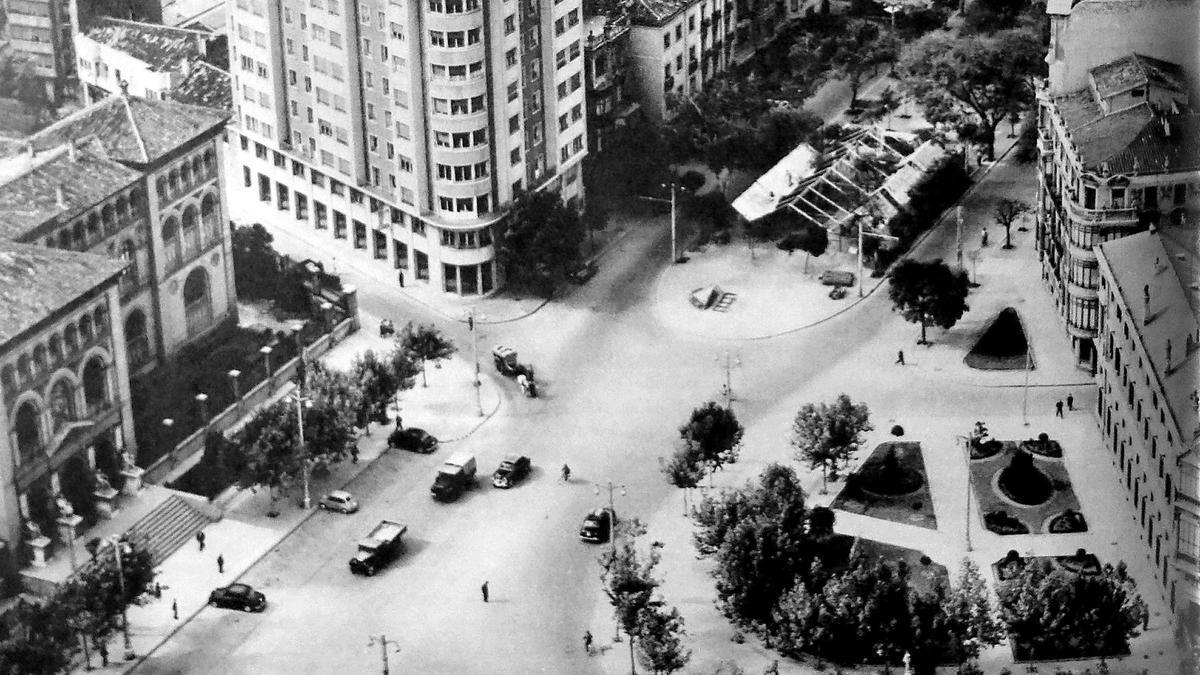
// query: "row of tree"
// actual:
[[43, 636]]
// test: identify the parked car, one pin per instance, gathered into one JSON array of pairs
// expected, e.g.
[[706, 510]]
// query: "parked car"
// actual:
[[413, 439], [836, 278], [238, 596], [582, 272], [511, 471], [597, 525], [339, 500]]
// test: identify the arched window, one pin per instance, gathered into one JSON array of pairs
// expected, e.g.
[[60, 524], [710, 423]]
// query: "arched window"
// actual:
[[8, 378], [95, 385], [129, 254], [185, 175], [64, 238], [39, 359], [171, 243], [137, 342], [93, 226], [122, 208], [135, 201], [28, 429], [109, 215], [24, 369], [85, 327], [62, 404], [173, 181], [100, 320], [71, 338], [160, 186], [56, 349], [197, 168], [197, 305], [210, 160], [210, 218], [191, 233], [78, 236]]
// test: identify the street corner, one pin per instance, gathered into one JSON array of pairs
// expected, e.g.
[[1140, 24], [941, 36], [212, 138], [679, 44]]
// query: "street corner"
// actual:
[[734, 292], [451, 406]]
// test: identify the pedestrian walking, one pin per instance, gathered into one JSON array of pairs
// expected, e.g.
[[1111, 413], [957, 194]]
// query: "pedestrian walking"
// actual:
[[103, 654], [983, 238], [1058, 409], [157, 590], [587, 642], [200, 539], [354, 454], [220, 564], [900, 357], [1070, 402], [175, 609], [400, 278], [1145, 618], [566, 473], [399, 422], [484, 590]]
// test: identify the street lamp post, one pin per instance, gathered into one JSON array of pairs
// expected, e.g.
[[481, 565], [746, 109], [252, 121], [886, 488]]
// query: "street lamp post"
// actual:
[[202, 401], [861, 234], [472, 326], [306, 465], [727, 391], [234, 374], [672, 202], [1025, 391], [118, 548], [612, 534], [266, 350], [383, 642]]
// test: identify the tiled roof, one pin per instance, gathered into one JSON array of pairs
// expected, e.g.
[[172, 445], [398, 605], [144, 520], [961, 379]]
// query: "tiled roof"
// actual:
[[162, 48], [131, 129], [657, 11], [35, 281], [1133, 140], [1139, 261], [32, 197], [1136, 70], [205, 85]]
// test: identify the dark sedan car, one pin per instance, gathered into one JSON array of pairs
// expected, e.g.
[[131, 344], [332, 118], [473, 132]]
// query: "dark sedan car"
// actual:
[[413, 439], [238, 596], [511, 471], [597, 526]]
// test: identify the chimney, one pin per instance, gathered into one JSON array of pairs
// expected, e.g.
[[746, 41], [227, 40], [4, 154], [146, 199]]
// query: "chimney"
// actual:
[[60, 197], [1146, 302]]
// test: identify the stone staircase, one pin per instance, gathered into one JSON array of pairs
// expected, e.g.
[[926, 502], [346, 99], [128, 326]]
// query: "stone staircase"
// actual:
[[171, 525]]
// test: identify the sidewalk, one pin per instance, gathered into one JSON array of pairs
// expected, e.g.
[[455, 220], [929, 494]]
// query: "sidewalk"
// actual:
[[446, 408]]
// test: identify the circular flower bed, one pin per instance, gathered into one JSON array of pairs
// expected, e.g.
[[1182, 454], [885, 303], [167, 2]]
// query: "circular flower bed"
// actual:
[[986, 449], [1023, 483], [1002, 523], [1068, 521]]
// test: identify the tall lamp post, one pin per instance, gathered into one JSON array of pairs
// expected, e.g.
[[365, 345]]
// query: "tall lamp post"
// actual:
[[383, 642], [119, 547], [612, 526], [306, 465], [727, 390], [671, 201], [472, 327]]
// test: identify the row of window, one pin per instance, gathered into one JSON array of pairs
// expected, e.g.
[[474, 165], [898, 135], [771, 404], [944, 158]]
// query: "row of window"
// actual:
[[457, 73], [467, 239], [567, 55], [453, 6], [564, 23], [464, 139], [462, 172], [459, 106], [480, 204], [455, 38], [570, 85], [246, 35], [568, 151], [566, 119], [321, 34]]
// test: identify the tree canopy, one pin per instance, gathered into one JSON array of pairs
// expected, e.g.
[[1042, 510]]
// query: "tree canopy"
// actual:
[[825, 435], [628, 580], [425, 343], [712, 436], [860, 47], [986, 77], [929, 293], [539, 241]]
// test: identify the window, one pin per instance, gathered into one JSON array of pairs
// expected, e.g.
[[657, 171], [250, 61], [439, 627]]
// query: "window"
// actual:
[[510, 57], [513, 91], [563, 122], [514, 157], [510, 24], [514, 124], [405, 164], [667, 40]]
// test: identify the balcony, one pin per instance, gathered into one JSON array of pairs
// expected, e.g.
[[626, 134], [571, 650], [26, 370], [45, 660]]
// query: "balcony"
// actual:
[[1045, 144], [76, 436], [1105, 217]]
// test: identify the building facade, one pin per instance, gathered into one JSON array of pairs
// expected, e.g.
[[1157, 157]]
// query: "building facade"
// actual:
[[143, 59], [114, 219], [405, 131], [1114, 158], [676, 47], [44, 31], [1147, 374], [606, 62]]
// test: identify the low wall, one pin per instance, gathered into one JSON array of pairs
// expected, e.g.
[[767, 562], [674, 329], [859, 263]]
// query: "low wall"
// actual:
[[257, 396]]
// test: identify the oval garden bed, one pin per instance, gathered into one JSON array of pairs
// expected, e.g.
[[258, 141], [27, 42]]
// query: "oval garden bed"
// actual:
[[1043, 447], [1002, 523], [1023, 483], [1066, 522], [986, 450]]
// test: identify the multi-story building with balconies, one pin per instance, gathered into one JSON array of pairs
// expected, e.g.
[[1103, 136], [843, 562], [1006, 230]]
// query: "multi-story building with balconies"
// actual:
[[44, 31], [406, 130], [144, 59], [1148, 368], [1115, 158], [606, 55], [113, 227], [676, 47]]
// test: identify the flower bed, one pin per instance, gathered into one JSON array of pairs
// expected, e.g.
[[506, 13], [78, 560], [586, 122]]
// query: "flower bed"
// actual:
[[891, 484], [998, 488]]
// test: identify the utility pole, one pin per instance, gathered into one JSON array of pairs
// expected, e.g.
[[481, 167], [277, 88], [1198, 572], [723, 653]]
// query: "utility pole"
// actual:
[[730, 362], [475, 355], [118, 548], [672, 202], [612, 509], [306, 465], [1025, 390], [861, 234], [958, 235], [383, 643]]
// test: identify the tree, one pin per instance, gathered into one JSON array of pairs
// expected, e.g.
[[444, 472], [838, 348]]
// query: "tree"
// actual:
[[860, 47], [256, 269], [1055, 612], [884, 106], [660, 643], [539, 241], [989, 16], [984, 76], [970, 620], [713, 435], [628, 581], [929, 293], [381, 379], [824, 435], [1006, 213], [684, 471], [425, 342], [811, 238]]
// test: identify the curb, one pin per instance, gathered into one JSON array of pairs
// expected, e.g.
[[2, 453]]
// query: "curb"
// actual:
[[486, 417]]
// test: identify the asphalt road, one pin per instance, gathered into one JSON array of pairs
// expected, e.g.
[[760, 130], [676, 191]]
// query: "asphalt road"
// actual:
[[616, 385]]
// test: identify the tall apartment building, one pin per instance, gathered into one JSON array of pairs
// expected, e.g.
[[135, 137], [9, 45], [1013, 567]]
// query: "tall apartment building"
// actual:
[[1148, 371], [406, 129], [676, 47], [606, 81], [44, 31]]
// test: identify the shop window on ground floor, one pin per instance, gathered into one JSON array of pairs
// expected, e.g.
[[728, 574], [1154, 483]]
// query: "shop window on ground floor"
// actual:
[[422, 263], [469, 279], [320, 219], [400, 252], [485, 277], [339, 224], [380, 245], [450, 278], [301, 207], [360, 234]]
